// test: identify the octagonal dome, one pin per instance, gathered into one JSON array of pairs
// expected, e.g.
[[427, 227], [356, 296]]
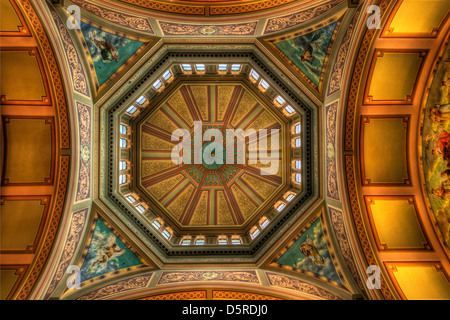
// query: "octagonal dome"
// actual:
[[208, 189]]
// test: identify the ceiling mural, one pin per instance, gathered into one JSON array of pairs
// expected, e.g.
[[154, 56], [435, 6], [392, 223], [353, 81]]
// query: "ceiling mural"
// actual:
[[307, 51], [109, 52], [436, 147], [209, 192], [106, 253], [309, 252]]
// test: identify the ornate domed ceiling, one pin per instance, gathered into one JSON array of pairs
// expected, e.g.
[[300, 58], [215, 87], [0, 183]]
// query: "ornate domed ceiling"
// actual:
[[208, 191], [225, 149]]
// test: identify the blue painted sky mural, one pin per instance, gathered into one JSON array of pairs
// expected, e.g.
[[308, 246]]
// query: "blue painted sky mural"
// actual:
[[106, 254], [308, 51], [310, 253], [108, 51]]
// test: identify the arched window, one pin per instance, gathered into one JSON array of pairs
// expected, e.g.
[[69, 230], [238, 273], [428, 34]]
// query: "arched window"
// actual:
[[156, 224], [166, 233], [123, 129], [122, 165], [141, 100], [140, 208], [123, 143], [122, 178], [131, 110]]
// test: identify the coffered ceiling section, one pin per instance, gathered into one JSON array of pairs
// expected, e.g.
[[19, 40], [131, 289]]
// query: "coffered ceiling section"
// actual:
[[212, 190]]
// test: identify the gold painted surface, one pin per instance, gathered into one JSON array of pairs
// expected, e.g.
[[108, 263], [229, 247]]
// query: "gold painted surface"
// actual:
[[214, 210], [200, 94], [223, 210], [246, 104], [224, 93], [245, 204], [24, 69], [199, 218], [150, 167], [264, 189], [20, 220], [263, 121], [177, 206], [385, 150], [422, 283], [271, 168], [421, 16], [9, 19], [394, 76], [396, 224], [160, 189], [8, 279], [178, 104], [150, 142], [28, 150], [161, 121]]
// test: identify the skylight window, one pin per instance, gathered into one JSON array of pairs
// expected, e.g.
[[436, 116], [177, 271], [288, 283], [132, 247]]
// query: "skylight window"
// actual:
[[200, 67], [123, 129], [140, 208], [298, 128], [130, 199], [132, 110], [199, 242], [255, 233], [290, 197], [281, 206], [236, 241], [280, 100], [186, 67], [289, 109], [123, 143], [298, 164], [122, 178], [254, 74], [223, 67], [167, 75], [235, 67], [298, 178], [264, 84], [166, 234], [122, 165], [157, 84], [223, 241], [265, 223], [156, 224], [186, 242], [298, 142], [141, 100]]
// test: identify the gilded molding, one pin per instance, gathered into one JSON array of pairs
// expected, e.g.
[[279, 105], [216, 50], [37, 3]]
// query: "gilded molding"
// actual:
[[337, 221], [122, 286], [236, 276], [79, 79], [178, 29], [332, 181], [294, 19], [84, 172], [334, 84], [285, 282], [73, 238], [122, 19]]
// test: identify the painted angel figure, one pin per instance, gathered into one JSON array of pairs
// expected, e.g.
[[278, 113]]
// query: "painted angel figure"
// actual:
[[107, 51], [311, 47], [309, 250], [106, 253]]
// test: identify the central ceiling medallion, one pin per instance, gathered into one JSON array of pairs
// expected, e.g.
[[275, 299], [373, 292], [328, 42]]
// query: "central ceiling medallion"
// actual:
[[220, 182]]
